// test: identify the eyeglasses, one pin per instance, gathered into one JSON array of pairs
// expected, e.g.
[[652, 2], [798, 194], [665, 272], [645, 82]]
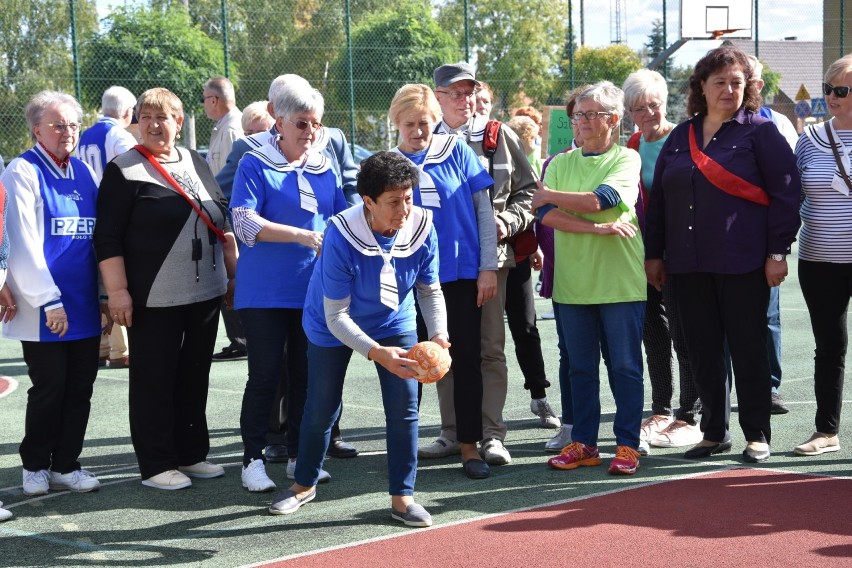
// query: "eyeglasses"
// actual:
[[651, 108], [203, 98], [840, 92], [458, 95], [590, 115], [59, 127], [303, 124]]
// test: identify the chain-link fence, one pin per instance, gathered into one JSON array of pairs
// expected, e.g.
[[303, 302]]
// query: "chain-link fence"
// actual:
[[358, 52]]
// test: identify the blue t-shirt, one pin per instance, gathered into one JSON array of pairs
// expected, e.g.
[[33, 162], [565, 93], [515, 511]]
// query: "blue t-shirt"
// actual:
[[649, 152], [276, 275], [344, 271], [456, 178]]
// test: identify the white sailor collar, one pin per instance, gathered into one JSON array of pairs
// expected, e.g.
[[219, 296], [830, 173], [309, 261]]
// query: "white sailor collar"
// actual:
[[816, 133], [352, 224], [472, 131], [268, 153], [440, 148]]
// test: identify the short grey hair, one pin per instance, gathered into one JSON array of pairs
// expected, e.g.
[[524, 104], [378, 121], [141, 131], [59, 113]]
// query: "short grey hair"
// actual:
[[610, 97], [642, 84], [756, 67], [34, 111], [282, 81], [116, 101], [297, 98], [222, 88], [253, 112]]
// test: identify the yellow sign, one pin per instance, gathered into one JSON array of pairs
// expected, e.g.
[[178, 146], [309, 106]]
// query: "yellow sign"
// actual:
[[802, 94]]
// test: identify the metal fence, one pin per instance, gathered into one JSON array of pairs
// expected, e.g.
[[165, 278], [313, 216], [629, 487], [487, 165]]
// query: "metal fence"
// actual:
[[358, 52]]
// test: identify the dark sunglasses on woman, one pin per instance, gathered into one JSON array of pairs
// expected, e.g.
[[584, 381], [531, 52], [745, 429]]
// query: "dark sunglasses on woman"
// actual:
[[840, 92]]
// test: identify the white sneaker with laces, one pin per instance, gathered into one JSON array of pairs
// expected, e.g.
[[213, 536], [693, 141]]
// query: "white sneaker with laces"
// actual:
[[324, 476], [494, 452], [541, 408], [676, 435], [560, 440], [202, 470], [653, 425], [254, 477], [441, 447], [5, 514], [36, 482], [169, 480], [80, 481]]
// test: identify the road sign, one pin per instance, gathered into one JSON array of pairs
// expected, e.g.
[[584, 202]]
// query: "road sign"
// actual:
[[818, 108], [802, 94], [803, 108]]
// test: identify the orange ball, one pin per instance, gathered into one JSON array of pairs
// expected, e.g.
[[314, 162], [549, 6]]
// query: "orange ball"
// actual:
[[433, 361]]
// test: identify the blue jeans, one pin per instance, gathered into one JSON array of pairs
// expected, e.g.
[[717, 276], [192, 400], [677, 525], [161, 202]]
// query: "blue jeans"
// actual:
[[275, 338], [585, 329], [326, 371], [564, 380]]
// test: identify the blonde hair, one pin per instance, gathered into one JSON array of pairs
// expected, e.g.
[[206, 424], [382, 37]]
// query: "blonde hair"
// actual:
[[840, 67], [525, 127], [160, 98], [254, 111], [413, 97]]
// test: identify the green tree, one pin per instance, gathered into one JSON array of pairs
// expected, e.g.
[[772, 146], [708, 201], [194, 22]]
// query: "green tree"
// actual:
[[34, 42], [612, 63], [656, 44], [771, 81], [143, 48]]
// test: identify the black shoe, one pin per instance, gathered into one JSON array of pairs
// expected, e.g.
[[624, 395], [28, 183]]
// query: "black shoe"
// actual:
[[276, 453], [341, 450], [476, 469], [756, 456], [778, 404], [230, 352], [701, 452]]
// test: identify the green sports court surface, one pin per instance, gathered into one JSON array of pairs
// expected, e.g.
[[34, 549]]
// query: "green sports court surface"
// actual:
[[672, 512]]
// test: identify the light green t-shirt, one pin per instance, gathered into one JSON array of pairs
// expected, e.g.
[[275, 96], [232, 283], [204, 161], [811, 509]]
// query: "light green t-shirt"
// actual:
[[599, 269], [535, 162]]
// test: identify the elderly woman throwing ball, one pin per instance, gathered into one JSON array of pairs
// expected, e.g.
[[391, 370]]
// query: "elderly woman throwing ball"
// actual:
[[361, 298]]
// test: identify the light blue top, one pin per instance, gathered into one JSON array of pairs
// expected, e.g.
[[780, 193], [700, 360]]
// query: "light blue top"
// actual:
[[649, 152]]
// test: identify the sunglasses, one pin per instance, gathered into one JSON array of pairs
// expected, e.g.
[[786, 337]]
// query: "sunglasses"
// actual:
[[303, 124], [840, 92]]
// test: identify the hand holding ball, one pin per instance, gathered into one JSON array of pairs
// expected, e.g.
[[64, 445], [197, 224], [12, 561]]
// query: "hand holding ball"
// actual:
[[433, 361]]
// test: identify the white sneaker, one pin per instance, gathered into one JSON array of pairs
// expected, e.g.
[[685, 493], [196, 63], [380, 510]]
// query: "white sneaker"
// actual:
[[653, 425], [548, 315], [440, 448], [168, 480], [202, 470], [643, 448], [541, 408], [36, 482], [494, 452], [80, 481], [560, 440], [5, 514], [255, 479], [324, 476], [678, 434]]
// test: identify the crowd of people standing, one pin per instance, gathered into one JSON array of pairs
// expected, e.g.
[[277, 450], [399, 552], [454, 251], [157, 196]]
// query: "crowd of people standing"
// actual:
[[676, 241]]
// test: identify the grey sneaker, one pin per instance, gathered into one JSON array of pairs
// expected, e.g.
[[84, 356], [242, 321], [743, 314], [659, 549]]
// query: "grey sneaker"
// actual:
[[494, 452], [36, 482], [547, 418], [414, 516], [287, 502], [560, 440], [255, 479], [440, 448], [80, 481]]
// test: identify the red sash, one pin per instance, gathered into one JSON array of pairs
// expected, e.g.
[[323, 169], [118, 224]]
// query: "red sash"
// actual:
[[729, 182]]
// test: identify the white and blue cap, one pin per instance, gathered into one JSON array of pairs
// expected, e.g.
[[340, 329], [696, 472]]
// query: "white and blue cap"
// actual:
[[446, 75]]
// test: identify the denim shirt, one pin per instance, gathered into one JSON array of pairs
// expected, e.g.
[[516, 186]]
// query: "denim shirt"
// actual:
[[697, 227]]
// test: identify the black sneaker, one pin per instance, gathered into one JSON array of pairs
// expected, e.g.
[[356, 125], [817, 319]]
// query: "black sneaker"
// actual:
[[230, 352], [778, 404]]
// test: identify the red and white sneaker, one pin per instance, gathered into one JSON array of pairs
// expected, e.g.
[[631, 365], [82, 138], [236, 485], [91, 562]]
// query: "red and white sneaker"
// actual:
[[626, 461], [574, 455]]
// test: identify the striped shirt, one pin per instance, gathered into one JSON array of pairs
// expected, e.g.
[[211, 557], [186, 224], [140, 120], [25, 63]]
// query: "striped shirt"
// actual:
[[826, 234]]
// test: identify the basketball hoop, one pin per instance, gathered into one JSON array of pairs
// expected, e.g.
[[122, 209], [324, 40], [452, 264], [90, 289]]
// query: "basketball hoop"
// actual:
[[716, 34]]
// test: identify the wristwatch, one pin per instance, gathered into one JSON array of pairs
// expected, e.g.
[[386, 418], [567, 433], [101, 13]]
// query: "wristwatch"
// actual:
[[777, 257]]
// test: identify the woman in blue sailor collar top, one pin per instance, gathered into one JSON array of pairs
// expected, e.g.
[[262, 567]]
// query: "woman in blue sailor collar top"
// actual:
[[451, 185], [283, 196], [361, 298]]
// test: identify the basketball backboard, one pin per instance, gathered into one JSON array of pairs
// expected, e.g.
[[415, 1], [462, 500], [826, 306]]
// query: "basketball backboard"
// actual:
[[711, 19]]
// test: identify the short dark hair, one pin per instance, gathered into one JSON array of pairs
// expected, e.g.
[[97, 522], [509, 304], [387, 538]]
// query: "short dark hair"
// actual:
[[386, 171], [716, 60]]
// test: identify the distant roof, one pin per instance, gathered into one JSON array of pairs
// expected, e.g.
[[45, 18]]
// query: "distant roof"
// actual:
[[798, 62]]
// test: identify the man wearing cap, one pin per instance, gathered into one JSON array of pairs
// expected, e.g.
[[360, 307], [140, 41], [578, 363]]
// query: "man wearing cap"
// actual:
[[511, 197]]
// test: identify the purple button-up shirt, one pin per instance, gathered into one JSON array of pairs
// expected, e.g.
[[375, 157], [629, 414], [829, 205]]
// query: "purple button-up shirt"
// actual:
[[697, 227]]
